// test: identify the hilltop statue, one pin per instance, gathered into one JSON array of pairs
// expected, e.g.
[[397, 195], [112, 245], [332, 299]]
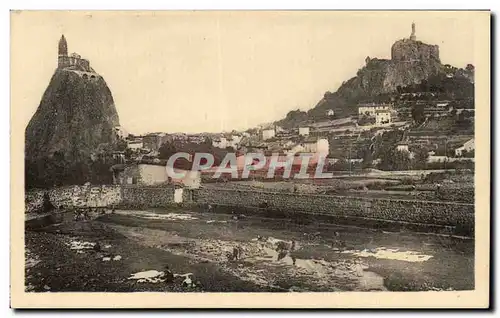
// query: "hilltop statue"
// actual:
[[413, 37]]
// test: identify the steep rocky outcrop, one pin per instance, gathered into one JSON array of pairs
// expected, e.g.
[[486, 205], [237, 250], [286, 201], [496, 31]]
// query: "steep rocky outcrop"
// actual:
[[411, 62], [76, 117]]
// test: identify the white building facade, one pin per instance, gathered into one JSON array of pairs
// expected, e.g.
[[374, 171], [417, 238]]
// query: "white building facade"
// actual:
[[383, 117], [268, 134], [303, 131], [371, 109], [467, 147]]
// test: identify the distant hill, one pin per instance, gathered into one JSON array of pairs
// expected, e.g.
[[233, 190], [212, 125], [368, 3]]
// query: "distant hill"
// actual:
[[411, 63]]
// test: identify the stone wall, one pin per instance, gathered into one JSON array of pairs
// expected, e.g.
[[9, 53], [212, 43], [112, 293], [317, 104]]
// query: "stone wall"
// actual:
[[148, 196], [80, 196], [393, 210], [425, 212], [456, 194]]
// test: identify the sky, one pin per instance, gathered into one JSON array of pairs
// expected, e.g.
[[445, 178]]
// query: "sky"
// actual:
[[196, 71]]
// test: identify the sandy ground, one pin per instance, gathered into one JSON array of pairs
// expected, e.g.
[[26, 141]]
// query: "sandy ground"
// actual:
[[136, 246]]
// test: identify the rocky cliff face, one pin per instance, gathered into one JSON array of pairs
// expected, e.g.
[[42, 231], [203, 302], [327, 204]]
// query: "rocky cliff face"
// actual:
[[409, 50], [384, 76], [76, 117], [411, 62]]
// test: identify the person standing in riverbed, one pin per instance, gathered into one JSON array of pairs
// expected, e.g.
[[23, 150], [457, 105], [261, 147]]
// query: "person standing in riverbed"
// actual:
[[169, 276], [358, 268], [236, 253], [47, 205]]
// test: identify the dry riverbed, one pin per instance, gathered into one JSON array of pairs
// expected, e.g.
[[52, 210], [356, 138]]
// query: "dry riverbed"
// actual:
[[135, 247]]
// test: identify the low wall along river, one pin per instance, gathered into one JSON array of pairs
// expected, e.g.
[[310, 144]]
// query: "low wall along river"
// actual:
[[437, 213]]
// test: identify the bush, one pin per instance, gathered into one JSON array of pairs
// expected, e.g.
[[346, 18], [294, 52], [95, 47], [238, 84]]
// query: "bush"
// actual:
[[407, 181], [376, 186]]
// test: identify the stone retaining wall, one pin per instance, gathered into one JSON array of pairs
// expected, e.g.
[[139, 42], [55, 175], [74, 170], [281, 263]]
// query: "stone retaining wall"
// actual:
[[147, 196], [79, 196], [414, 211], [394, 210]]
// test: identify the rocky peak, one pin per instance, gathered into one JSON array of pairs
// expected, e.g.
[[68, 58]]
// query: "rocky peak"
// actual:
[[75, 117]]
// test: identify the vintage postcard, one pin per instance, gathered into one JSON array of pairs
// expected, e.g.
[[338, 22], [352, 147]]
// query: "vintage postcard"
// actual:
[[250, 159]]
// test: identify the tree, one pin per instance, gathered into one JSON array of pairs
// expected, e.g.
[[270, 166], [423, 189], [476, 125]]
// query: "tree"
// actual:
[[470, 67], [462, 121], [366, 120], [166, 150], [121, 145], [401, 160], [128, 153], [424, 86], [420, 158], [367, 159], [393, 159], [341, 165], [468, 154], [417, 113], [208, 141]]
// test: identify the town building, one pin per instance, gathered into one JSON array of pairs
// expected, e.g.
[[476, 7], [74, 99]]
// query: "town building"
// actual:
[[402, 146], [268, 133], [383, 116], [468, 146], [154, 141], [235, 141], [371, 109], [135, 144], [304, 131], [139, 174], [180, 137], [197, 138], [220, 142], [149, 174], [442, 104], [295, 149], [315, 145], [310, 145], [330, 113]]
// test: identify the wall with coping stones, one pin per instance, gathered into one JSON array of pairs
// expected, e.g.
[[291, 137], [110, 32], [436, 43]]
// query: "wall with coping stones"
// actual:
[[135, 196], [413, 211], [425, 212], [457, 194], [79, 196]]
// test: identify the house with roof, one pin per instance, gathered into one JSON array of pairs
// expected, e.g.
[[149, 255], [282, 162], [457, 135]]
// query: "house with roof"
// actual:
[[153, 173], [468, 146], [402, 146], [371, 108], [383, 116], [268, 133], [304, 131]]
